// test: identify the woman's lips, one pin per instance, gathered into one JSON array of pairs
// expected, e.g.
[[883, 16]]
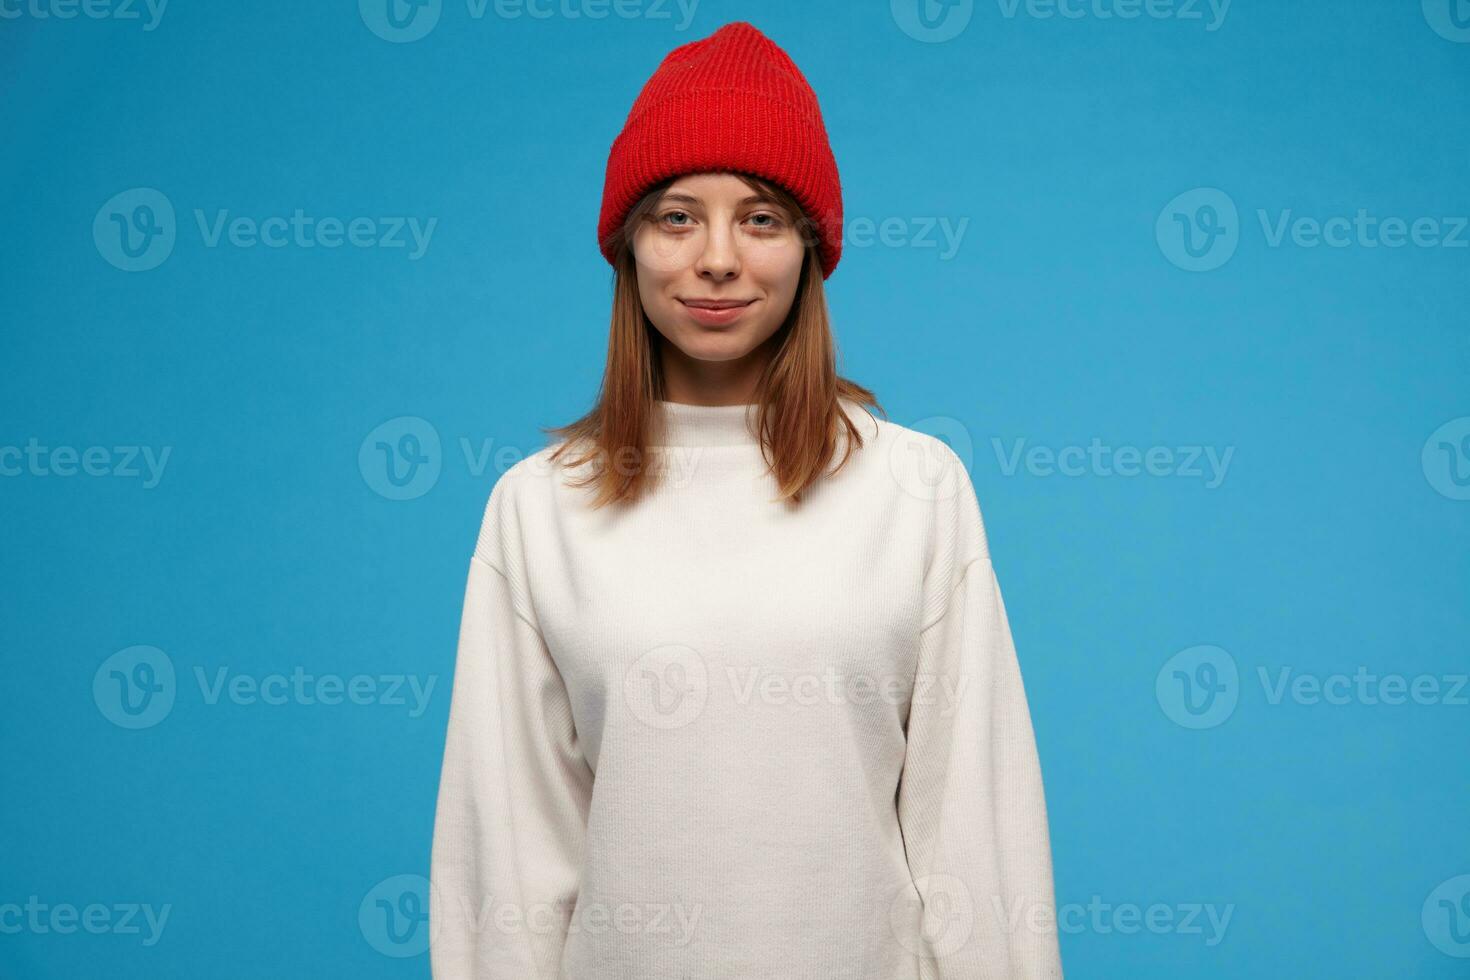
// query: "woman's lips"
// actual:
[[716, 316]]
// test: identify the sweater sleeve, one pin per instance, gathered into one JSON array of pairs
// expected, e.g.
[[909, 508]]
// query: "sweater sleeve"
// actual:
[[970, 798], [514, 789]]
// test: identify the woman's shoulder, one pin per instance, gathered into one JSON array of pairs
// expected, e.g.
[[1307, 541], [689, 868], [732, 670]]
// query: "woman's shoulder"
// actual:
[[918, 478], [922, 451], [518, 491], [925, 468]]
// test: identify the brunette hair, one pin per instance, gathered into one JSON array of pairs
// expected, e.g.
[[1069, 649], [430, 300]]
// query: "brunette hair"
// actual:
[[798, 419]]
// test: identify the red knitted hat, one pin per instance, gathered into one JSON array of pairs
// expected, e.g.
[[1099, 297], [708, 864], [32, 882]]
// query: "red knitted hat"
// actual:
[[731, 101]]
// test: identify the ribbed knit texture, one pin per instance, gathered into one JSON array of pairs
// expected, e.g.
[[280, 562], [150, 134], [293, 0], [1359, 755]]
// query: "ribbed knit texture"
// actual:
[[714, 736], [731, 101]]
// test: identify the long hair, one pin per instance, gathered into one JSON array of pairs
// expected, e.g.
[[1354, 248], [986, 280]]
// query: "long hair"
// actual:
[[799, 420]]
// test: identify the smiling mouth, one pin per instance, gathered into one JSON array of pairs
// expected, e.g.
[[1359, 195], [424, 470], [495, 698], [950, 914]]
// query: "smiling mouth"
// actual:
[[716, 304]]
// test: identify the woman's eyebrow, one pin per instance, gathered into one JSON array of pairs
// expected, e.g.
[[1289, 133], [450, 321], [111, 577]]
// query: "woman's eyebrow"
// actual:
[[752, 199]]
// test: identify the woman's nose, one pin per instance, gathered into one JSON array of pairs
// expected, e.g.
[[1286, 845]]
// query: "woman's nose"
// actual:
[[719, 259]]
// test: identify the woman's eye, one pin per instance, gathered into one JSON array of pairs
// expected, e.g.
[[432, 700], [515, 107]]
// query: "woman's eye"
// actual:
[[762, 220]]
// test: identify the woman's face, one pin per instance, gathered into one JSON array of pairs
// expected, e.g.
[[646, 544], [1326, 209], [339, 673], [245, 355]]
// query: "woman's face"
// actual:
[[718, 265]]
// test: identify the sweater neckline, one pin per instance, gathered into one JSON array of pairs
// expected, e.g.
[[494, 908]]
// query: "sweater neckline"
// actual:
[[683, 424]]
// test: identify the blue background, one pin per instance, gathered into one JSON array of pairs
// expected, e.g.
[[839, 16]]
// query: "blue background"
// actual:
[[1333, 542]]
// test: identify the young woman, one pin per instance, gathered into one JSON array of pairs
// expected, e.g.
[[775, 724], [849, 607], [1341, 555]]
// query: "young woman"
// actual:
[[735, 694]]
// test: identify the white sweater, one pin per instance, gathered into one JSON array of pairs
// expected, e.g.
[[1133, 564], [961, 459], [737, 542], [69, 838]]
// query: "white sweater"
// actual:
[[717, 736]]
